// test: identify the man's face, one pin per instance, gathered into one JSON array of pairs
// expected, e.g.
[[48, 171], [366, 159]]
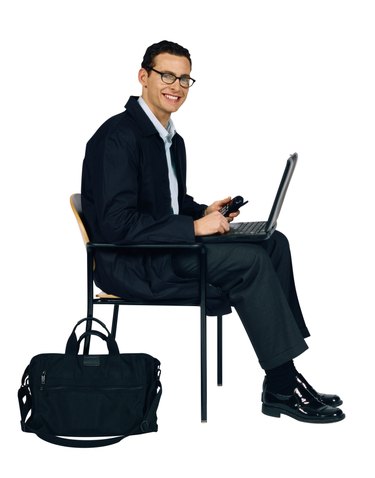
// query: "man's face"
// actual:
[[161, 98]]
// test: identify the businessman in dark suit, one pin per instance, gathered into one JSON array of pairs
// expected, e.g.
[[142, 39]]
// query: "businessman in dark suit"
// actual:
[[134, 190]]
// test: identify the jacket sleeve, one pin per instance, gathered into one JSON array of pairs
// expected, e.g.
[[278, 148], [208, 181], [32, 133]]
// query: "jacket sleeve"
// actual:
[[192, 208], [120, 204]]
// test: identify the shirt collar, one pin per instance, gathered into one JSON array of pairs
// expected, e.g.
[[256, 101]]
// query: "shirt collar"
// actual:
[[165, 133]]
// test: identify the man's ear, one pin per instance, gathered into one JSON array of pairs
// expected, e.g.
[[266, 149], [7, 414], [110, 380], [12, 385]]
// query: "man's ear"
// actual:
[[143, 77]]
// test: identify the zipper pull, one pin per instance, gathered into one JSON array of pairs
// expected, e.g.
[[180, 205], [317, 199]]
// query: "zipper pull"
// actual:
[[43, 379]]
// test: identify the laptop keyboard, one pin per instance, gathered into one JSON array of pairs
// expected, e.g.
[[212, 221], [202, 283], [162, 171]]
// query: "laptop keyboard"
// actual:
[[250, 227]]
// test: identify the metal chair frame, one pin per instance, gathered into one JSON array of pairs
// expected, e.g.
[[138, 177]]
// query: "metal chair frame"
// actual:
[[108, 299]]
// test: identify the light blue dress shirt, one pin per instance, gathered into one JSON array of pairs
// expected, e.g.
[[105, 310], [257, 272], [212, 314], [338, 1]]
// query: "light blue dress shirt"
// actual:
[[166, 135]]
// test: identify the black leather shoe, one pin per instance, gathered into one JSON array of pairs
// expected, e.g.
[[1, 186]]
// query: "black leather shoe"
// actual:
[[301, 405], [331, 400]]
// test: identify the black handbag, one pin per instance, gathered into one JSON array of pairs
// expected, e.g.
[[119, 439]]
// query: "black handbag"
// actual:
[[72, 395]]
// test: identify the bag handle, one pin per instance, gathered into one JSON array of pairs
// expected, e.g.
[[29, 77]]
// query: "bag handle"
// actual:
[[72, 345], [86, 319]]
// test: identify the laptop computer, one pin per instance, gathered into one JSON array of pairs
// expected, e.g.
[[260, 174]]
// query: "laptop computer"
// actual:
[[261, 230]]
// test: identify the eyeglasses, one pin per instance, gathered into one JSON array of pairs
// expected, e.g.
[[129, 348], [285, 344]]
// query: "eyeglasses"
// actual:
[[170, 78]]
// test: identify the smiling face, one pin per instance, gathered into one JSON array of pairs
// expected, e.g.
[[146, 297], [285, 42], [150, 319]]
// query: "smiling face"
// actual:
[[163, 99]]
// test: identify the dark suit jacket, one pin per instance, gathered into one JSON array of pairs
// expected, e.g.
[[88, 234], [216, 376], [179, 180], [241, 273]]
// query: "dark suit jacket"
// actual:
[[126, 198]]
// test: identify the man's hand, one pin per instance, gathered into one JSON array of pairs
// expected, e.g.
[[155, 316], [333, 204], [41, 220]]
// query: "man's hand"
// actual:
[[217, 205], [211, 223]]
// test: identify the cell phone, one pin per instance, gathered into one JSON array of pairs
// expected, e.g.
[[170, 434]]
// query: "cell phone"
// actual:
[[233, 206]]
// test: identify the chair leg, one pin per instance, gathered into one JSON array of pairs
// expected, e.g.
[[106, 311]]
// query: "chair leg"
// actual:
[[114, 320], [203, 334], [219, 350], [203, 366], [86, 345], [90, 298]]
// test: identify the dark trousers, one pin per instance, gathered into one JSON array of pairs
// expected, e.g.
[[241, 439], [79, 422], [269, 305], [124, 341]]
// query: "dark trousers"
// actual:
[[258, 279]]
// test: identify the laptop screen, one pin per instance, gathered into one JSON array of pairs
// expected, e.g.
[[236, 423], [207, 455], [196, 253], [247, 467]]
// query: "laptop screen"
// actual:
[[280, 195]]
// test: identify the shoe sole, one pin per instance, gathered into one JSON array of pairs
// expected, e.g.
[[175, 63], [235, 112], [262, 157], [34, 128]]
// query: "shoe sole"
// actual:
[[276, 412]]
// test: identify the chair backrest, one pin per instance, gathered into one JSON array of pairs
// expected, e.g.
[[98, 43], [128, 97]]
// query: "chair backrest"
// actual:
[[76, 204]]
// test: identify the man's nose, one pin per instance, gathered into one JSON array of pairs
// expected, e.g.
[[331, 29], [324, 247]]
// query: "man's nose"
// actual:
[[176, 85]]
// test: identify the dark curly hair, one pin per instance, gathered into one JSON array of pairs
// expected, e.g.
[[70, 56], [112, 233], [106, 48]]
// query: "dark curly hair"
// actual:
[[163, 46]]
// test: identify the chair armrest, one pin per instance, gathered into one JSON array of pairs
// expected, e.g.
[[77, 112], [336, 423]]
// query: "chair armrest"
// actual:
[[114, 247]]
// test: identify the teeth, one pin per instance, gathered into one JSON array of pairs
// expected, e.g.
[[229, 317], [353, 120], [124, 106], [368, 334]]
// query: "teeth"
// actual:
[[170, 97]]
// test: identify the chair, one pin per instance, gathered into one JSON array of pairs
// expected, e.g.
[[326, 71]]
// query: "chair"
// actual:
[[110, 299]]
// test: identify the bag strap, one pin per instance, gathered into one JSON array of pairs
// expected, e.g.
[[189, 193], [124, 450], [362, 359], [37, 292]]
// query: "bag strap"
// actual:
[[77, 443], [24, 396], [25, 407], [153, 407]]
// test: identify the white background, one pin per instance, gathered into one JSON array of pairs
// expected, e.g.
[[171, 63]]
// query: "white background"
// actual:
[[273, 77]]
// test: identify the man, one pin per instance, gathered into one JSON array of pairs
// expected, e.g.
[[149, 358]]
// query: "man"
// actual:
[[134, 190]]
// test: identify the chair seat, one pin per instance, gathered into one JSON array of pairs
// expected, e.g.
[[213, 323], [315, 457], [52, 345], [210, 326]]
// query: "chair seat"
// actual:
[[104, 298], [104, 295]]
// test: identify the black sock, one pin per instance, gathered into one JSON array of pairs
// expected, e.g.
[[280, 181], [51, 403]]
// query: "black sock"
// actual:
[[282, 379]]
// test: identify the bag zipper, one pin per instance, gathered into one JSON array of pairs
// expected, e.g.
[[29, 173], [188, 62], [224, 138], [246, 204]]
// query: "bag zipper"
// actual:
[[88, 388], [43, 380], [78, 387]]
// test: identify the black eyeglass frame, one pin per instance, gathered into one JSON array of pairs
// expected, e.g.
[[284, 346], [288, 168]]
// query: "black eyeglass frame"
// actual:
[[162, 73]]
